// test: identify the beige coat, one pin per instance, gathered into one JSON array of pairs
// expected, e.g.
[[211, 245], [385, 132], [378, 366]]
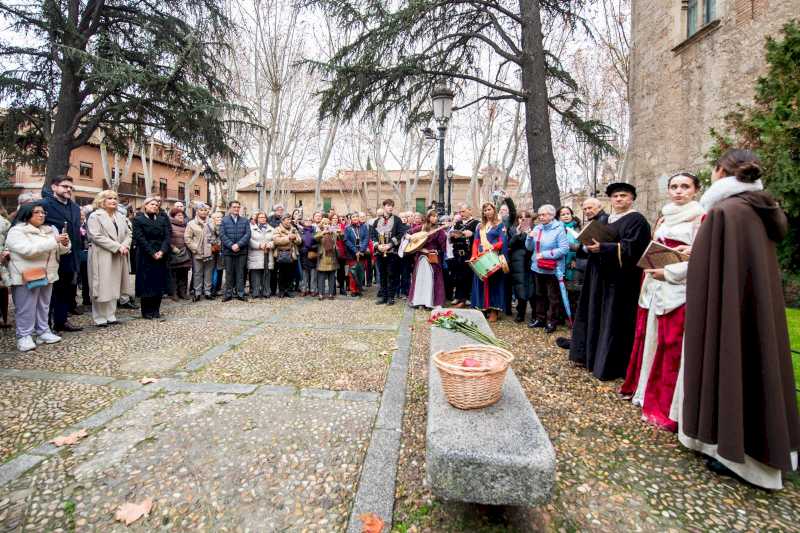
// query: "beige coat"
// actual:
[[108, 269], [285, 239], [33, 247], [5, 225], [198, 238]]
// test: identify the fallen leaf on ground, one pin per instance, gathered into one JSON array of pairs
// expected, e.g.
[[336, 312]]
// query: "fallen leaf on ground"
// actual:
[[372, 523], [70, 439], [145, 381], [131, 512]]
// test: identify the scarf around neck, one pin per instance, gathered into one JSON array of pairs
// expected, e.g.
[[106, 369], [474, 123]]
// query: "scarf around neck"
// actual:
[[674, 214], [725, 188]]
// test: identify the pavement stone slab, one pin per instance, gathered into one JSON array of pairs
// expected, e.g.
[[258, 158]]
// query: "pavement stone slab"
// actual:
[[135, 348], [211, 462], [303, 358], [33, 411]]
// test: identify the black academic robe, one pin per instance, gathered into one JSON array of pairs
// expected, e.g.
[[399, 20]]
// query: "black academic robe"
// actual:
[[607, 311], [590, 305]]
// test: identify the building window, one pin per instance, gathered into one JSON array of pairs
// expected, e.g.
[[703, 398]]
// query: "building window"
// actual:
[[326, 204], [709, 11], [197, 192], [85, 170], [162, 188], [420, 205], [693, 10], [181, 190], [141, 190]]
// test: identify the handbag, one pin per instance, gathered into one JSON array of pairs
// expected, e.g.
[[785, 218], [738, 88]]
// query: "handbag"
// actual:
[[433, 258], [544, 264], [35, 277], [180, 257], [215, 248], [284, 257], [312, 254]]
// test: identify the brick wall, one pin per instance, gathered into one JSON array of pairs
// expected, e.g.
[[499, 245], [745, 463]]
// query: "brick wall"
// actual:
[[680, 88]]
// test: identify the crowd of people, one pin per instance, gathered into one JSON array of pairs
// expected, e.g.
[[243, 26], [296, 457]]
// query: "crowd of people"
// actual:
[[702, 344]]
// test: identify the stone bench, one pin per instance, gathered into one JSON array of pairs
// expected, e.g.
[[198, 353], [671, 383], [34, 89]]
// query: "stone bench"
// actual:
[[498, 455]]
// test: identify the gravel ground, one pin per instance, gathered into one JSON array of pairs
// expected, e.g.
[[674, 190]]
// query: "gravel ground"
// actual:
[[34, 411], [307, 359], [348, 311], [615, 472], [210, 462], [254, 310], [135, 348]]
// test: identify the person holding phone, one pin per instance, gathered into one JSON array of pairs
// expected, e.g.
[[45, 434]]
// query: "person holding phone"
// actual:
[[522, 278]]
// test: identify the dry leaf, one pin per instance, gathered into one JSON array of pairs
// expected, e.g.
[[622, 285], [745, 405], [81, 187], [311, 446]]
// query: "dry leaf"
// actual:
[[145, 381], [70, 439], [131, 512], [372, 523]]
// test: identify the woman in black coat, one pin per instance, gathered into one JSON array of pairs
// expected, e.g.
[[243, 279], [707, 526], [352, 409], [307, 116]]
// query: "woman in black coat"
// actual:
[[151, 233], [521, 274]]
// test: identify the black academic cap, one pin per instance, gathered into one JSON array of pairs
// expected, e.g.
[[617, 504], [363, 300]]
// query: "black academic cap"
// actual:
[[621, 186]]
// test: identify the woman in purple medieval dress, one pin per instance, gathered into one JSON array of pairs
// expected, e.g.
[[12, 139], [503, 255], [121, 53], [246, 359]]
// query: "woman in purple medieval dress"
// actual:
[[427, 279]]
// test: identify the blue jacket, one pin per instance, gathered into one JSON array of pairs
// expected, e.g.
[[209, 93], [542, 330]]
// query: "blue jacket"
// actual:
[[57, 214], [350, 239], [553, 244], [234, 232]]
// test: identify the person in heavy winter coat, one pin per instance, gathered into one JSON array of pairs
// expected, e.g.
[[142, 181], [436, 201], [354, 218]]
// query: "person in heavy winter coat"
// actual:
[[235, 236], [181, 258], [198, 237], [521, 274], [151, 233], [549, 246], [35, 248], [108, 263], [286, 241], [326, 262], [308, 259], [259, 256]]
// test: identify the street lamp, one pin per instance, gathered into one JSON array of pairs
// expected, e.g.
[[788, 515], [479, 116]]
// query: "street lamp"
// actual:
[[449, 170], [259, 188], [597, 151], [442, 101]]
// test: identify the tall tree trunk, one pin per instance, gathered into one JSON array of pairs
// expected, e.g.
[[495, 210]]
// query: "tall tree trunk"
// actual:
[[59, 145], [544, 187]]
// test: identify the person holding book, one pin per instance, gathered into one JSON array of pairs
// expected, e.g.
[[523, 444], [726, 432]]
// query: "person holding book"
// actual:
[[608, 335], [590, 301], [656, 356], [736, 399]]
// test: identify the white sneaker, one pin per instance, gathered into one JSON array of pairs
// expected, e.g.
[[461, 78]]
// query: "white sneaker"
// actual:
[[48, 338], [25, 344]]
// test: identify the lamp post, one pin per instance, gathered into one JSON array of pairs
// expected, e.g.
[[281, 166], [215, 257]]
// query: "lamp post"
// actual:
[[259, 188], [449, 170], [442, 101]]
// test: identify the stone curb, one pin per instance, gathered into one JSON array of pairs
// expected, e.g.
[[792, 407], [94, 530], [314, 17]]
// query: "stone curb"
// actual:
[[18, 466], [55, 376], [376, 485]]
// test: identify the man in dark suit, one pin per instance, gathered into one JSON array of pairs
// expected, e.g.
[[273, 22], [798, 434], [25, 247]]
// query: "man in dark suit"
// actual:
[[64, 215], [235, 237]]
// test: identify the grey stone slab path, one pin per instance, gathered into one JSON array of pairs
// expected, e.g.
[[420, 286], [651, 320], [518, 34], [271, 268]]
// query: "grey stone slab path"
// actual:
[[376, 487], [348, 428]]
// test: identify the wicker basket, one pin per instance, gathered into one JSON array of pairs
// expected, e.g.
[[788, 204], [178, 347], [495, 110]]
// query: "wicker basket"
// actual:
[[473, 387]]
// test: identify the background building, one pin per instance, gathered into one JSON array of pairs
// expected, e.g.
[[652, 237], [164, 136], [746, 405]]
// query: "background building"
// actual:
[[171, 176], [361, 190], [692, 62]]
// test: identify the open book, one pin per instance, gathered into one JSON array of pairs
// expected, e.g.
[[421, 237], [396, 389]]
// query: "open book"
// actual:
[[658, 255], [598, 231]]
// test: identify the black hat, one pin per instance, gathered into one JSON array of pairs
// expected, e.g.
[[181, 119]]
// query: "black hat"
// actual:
[[621, 186]]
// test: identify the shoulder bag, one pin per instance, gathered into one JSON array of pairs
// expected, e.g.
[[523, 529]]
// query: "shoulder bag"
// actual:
[[544, 264]]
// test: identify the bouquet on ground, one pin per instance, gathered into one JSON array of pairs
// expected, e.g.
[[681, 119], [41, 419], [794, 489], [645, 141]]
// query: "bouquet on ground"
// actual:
[[450, 320]]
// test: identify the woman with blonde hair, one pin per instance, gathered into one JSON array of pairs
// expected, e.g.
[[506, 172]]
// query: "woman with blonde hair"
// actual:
[[108, 262], [489, 294]]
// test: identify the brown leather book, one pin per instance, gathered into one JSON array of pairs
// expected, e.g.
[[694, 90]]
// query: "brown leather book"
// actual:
[[598, 231], [658, 255]]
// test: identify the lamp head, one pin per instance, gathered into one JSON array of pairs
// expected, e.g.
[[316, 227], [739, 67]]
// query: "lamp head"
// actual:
[[442, 100], [449, 171]]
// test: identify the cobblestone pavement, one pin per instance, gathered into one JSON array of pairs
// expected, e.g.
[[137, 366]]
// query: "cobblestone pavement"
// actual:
[[614, 471], [260, 419]]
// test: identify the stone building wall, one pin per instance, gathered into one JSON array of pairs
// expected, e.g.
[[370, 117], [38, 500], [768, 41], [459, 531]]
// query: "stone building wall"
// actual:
[[680, 88]]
